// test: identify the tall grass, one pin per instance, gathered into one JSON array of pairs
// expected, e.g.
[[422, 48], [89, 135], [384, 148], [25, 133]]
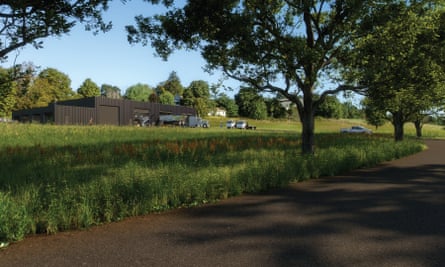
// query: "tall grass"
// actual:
[[58, 178]]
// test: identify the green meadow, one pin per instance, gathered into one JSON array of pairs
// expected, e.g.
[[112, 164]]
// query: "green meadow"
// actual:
[[56, 178]]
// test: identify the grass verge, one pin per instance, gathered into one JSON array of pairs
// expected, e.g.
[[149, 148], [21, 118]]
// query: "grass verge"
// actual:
[[60, 178]]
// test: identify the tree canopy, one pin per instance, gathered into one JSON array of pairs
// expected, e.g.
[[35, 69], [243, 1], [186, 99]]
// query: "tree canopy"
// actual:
[[49, 86], [88, 88], [197, 95], [138, 92], [7, 93], [27, 22], [250, 104], [398, 56], [172, 85], [110, 91], [273, 46]]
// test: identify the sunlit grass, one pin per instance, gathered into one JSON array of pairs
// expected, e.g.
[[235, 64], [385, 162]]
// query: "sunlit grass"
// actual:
[[55, 178]]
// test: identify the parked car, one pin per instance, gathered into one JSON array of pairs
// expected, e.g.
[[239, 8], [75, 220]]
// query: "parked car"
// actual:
[[356, 129], [230, 124], [241, 125]]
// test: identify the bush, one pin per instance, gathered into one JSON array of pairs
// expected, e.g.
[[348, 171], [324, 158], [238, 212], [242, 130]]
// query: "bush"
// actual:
[[14, 219]]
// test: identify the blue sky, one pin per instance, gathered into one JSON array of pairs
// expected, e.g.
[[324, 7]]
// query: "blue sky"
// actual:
[[109, 58]]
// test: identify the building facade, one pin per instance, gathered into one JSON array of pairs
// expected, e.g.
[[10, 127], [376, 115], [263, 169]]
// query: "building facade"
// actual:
[[100, 111]]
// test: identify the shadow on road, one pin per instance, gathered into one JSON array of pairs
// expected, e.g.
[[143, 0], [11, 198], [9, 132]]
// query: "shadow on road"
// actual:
[[385, 216]]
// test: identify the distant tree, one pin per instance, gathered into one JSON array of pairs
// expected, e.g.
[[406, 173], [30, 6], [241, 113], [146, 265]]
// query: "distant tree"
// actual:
[[330, 108], [39, 93], [60, 84], [22, 76], [250, 104], [138, 92], [153, 98], [166, 98], [374, 115], [350, 111], [228, 104], [49, 86], [214, 91], [7, 92], [27, 22], [259, 110], [110, 91], [419, 121], [89, 89], [275, 109], [197, 95], [172, 85]]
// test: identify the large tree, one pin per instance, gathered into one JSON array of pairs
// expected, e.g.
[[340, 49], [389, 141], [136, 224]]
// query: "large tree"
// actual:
[[24, 22], [279, 46], [398, 56]]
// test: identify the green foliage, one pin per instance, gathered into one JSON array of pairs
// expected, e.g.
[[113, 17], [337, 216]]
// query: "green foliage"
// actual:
[[350, 111], [84, 176], [374, 115], [27, 22], [166, 98], [228, 104], [172, 85], [49, 86], [153, 98], [14, 219], [138, 92], [7, 93], [110, 91], [22, 77], [281, 47], [330, 108], [397, 58], [275, 109], [250, 104], [88, 89], [197, 95]]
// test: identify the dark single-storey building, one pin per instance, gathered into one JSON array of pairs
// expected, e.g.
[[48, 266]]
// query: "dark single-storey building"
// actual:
[[100, 111]]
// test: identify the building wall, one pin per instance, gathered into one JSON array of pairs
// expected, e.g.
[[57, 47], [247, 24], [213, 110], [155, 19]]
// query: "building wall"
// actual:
[[74, 115], [99, 110]]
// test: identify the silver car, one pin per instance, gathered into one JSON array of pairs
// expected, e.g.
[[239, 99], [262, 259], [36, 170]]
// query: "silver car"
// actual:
[[230, 124], [241, 124]]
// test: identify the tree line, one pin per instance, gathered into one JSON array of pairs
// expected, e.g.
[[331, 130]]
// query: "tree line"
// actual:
[[24, 87], [390, 51]]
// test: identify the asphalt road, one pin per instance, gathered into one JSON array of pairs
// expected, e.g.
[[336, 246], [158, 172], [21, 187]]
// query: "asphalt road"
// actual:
[[391, 215]]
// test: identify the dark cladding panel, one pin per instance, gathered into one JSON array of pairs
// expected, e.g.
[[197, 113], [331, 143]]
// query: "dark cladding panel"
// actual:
[[108, 115], [72, 115]]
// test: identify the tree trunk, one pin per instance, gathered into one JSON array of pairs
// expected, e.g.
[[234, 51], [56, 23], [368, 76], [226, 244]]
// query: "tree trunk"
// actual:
[[398, 123], [307, 144], [308, 125], [418, 125]]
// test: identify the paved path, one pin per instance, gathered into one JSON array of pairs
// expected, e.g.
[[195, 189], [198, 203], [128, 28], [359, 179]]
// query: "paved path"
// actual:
[[392, 215]]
